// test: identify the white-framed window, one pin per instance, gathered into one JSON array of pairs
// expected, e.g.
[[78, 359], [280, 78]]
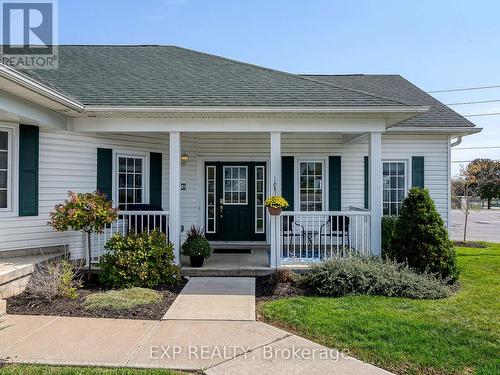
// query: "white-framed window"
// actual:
[[131, 178], [394, 186], [211, 176], [260, 196], [311, 185], [6, 185], [235, 186]]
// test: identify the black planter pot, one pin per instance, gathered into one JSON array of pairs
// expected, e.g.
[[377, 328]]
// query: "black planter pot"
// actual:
[[197, 261]]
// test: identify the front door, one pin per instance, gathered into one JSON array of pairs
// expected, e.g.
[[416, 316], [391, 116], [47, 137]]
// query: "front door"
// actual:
[[235, 193]]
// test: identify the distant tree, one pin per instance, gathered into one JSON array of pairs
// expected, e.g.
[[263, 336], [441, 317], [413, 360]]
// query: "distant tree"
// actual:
[[487, 172], [465, 192]]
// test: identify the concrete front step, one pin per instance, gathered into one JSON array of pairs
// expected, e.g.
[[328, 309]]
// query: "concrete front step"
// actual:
[[230, 264], [235, 272], [15, 272]]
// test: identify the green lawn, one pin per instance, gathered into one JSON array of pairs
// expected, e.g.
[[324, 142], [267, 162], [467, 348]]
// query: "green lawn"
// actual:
[[54, 370], [460, 334]]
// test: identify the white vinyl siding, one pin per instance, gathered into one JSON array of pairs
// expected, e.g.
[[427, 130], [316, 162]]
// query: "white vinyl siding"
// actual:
[[68, 162]]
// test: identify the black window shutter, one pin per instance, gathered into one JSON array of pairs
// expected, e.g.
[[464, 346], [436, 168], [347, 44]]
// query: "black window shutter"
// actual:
[[155, 178], [334, 183], [28, 170], [367, 184], [105, 172], [417, 171], [287, 180]]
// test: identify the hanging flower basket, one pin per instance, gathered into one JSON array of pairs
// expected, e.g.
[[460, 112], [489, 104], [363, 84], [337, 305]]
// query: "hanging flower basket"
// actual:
[[274, 211], [275, 205]]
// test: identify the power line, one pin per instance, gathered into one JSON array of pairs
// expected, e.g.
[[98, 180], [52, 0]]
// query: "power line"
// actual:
[[478, 102], [473, 147], [465, 89], [469, 161], [482, 114]]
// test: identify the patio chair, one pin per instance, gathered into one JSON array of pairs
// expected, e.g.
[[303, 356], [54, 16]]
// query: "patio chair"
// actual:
[[292, 229], [338, 227]]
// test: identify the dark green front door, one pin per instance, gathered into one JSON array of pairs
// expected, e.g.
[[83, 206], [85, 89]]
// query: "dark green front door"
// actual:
[[235, 192]]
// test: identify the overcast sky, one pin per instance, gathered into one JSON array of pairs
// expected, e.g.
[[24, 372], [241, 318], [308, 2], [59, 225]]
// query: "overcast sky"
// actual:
[[435, 44]]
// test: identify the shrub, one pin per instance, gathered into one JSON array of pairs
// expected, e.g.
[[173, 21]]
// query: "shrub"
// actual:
[[388, 227], [121, 299], [142, 260], [421, 239], [373, 276], [56, 279], [196, 244]]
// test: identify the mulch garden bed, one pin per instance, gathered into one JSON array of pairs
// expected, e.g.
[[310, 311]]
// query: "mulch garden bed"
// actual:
[[24, 304], [277, 285], [477, 245]]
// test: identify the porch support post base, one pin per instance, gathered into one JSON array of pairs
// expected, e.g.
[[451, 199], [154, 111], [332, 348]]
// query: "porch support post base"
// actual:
[[275, 190], [175, 194], [375, 173]]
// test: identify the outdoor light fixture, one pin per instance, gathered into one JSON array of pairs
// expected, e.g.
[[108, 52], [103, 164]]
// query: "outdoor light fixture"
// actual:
[[184, 157]]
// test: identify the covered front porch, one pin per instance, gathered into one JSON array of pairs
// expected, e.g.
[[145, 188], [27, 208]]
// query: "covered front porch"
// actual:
[[328, 217]]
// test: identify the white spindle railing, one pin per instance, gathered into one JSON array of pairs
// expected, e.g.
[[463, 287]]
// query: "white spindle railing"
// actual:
[[316, 236], [129, 222]]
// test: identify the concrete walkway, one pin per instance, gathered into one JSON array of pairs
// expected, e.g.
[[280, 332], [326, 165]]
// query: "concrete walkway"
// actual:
[[209, 328], [215, 347], [215, 298]]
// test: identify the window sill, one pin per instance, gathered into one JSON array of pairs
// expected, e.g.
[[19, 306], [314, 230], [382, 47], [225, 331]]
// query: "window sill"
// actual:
[[8, 214]]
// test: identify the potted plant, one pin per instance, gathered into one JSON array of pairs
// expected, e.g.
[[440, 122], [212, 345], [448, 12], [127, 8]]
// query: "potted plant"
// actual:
[[275, 204], [196, 247]]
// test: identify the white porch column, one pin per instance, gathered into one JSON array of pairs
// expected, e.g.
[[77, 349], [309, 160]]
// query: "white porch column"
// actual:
[[174, 201], [375, 173], [275, 190]]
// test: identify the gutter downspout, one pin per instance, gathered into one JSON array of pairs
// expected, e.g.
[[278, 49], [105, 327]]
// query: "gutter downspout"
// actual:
[[457, 142]]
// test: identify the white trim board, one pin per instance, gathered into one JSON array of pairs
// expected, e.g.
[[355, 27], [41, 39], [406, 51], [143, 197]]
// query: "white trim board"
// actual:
[[12, 209], [228, 125]]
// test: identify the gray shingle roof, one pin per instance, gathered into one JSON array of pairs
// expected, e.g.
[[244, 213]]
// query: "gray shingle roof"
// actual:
[[173, 76], [396, 87], [178, 77]]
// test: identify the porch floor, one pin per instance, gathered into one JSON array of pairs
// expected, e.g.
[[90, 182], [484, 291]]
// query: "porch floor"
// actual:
[[230, 264]]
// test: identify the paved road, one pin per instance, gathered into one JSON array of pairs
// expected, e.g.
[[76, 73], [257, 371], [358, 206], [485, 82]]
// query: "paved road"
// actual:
[[483, 225]]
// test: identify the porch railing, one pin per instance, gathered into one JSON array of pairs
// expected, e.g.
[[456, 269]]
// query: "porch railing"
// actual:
[[316, 236], [129, 222]]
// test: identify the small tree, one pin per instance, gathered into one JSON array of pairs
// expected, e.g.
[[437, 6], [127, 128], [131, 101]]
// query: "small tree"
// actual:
[[487, 173], [420, 237], [466, 192], [85, 212]]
